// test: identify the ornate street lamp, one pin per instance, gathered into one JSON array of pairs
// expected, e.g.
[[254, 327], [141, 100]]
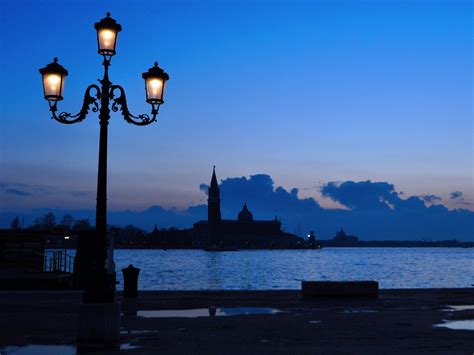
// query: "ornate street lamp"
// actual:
[[107, 32], [155, 81], [103, 99], [54, 76]]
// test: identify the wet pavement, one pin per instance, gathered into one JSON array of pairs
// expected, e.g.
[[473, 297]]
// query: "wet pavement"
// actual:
[[206, 312], [279, 322]]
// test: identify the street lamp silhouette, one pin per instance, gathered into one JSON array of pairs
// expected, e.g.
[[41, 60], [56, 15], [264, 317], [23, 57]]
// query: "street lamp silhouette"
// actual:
[[103, 99]]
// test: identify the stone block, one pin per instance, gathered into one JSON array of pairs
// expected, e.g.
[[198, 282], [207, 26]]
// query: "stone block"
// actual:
[[312, 289]]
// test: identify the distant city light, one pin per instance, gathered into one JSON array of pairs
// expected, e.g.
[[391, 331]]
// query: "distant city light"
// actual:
[[66, 237]]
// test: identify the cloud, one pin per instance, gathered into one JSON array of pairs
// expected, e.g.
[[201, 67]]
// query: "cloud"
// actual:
[[24, 189], [204, 188], [374, 196], [362, 195], [376, 211], [19, 189], [16, 192], [262, 196], [431, 198], [456, 195]]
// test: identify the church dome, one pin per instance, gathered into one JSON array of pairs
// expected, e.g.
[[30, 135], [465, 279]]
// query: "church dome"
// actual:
[[245, 214]]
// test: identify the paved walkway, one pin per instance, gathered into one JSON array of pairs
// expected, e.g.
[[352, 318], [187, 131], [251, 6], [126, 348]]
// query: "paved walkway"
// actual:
[[397, 322]]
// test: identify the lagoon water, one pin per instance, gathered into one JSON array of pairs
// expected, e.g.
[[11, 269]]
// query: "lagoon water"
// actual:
[[285, 269]]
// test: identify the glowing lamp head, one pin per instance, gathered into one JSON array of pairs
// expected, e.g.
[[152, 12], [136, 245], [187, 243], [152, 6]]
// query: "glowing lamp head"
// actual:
[[54, 76], [155, 82], [107, 32]]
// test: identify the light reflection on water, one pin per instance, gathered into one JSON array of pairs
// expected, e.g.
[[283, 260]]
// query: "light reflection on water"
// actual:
[[465, 307], [205, 312], [284, 269], [39, 350], [467, 324]]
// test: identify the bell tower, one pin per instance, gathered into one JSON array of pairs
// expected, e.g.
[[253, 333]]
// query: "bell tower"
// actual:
[[213, 208]]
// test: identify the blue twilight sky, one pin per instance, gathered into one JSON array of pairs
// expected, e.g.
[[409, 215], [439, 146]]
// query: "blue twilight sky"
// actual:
[[307, 92]]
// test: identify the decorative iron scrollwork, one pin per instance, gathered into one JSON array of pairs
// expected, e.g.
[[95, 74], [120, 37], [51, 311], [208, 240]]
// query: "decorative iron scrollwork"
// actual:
[[93, 100], [67, 118], [140, 120]]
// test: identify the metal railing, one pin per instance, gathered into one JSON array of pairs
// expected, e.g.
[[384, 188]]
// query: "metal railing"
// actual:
[[58, 261]]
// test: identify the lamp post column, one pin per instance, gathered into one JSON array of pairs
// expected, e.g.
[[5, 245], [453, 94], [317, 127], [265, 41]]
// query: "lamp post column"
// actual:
[[101, 207], [99, 288]]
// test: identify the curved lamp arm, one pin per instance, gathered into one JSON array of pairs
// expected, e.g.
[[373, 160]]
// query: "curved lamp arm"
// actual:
[[140, 120], [67, 118]]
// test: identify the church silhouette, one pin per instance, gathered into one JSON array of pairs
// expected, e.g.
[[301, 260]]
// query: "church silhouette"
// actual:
[[245, 232]]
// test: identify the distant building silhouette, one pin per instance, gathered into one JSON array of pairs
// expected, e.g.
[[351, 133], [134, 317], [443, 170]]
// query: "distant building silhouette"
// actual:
[[342, 238], [243, 232]]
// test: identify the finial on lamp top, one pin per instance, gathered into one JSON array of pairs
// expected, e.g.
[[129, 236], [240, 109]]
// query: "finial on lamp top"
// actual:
[[108, 14], [155, 71], [54, 68]]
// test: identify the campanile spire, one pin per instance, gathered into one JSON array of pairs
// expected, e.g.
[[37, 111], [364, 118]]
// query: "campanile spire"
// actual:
[[213, 208]]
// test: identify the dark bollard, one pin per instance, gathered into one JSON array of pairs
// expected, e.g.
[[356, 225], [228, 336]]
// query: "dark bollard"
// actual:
[[130, 281]]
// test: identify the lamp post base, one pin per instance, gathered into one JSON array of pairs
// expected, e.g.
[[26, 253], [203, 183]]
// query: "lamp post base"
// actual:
[[98, 325], [99, 287]]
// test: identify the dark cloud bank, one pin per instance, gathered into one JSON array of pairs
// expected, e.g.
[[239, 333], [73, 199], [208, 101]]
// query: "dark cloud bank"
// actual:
[[375, 211]]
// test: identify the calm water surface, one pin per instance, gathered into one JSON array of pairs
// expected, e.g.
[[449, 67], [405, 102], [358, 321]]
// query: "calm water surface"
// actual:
[[284, 269]]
